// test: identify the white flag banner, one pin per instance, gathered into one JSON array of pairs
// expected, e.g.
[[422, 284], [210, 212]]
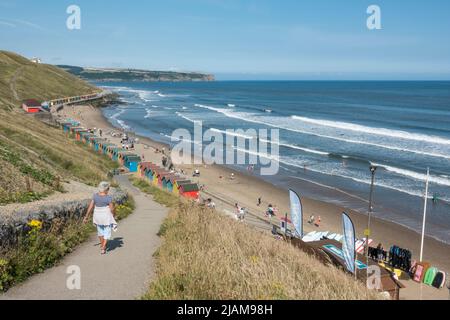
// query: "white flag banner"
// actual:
[[296, 213], [348, 243]]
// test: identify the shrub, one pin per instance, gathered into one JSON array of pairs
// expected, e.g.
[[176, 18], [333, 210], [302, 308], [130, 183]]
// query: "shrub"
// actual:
[[41, 248]]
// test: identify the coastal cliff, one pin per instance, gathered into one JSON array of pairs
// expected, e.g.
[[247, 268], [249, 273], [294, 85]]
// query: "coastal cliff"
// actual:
[[103, 75]]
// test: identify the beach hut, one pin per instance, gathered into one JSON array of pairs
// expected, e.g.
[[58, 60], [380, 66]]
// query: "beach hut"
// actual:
[[87, 138], [143, 167], [105, 146], [178, 183], [79, 134], [74, 130], [84, 136], [31, 106], [98, 144], [151, 173], [168, 182], [132, 162], [123, 155], [110, 150], [161, 175], [92, 141], [116, 153], [67, 127], [190, 191]]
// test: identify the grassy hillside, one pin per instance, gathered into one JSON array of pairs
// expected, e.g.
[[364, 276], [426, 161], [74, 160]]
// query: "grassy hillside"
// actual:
[[33, 156], [22, 79], [208, 256]]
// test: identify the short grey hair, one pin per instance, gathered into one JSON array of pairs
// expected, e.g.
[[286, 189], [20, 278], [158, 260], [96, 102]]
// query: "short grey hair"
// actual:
[[104, 186]]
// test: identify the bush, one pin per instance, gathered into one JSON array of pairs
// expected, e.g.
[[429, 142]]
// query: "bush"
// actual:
[[40, 248]]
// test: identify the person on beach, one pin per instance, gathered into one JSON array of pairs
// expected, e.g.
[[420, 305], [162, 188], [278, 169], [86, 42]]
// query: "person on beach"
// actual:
[[318, 222], [104, 211], [311, 219], [380, 255], [270, 211], [259, 202], [241, 214]]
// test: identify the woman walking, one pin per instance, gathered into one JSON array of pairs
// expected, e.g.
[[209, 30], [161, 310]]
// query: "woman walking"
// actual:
[[104, 211]]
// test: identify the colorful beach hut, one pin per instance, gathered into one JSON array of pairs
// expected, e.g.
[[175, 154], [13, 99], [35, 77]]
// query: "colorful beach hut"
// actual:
[[151, 173], [160, 176], [178, 183], [105, 146], [116, 153], [143, 168], [110, 151], [31, 106], [190, 191], [79, 134], [132, 162], [87, 138], [168, 182], [123, 155]]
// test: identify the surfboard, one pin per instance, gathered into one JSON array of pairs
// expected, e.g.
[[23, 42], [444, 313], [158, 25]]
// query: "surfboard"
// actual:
[[439, 280], [430, 275]]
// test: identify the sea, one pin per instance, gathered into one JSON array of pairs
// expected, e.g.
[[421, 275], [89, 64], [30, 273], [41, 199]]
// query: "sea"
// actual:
[[330, 133]]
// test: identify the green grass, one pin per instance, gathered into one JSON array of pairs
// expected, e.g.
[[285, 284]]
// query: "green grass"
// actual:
[[162, 197], [41, 249], [37, 81], [208, 256], [33, 154]]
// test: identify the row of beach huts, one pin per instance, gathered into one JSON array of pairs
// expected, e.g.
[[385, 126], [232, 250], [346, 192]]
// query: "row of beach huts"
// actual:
[[156, 175]]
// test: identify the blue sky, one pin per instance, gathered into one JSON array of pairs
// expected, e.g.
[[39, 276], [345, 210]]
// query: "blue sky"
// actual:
[[242, 39]]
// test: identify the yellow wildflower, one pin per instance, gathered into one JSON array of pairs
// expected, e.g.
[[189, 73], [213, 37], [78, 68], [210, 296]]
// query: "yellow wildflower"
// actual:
[[35, 224]]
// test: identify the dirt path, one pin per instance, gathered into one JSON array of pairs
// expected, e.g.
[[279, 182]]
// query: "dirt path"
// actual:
[[123, 274], [12, 83]]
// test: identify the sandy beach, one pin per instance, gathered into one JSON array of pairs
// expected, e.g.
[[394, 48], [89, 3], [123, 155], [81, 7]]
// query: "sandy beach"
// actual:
[[245, 189]]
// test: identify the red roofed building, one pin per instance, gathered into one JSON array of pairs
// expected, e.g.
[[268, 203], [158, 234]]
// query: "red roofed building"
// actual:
[[31, 106]]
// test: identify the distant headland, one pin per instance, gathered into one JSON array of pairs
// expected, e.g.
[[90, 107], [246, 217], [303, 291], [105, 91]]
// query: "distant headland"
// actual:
[[116, 74]]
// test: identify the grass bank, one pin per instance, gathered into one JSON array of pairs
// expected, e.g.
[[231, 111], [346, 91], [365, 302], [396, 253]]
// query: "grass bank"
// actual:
[[44, 246], [208, 256], [162, 197]]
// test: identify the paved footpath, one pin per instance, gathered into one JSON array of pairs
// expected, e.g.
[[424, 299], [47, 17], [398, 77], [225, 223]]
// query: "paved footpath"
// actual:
[[124, 273]]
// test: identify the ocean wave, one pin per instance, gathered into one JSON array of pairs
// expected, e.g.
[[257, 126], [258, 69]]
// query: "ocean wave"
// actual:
[[123, 125], [334, 173], [176, 139], [186, 117], [149, 113], [415, 175], [291, 146], [118, 114], [233, 134], [374, 131], [248, 118]]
